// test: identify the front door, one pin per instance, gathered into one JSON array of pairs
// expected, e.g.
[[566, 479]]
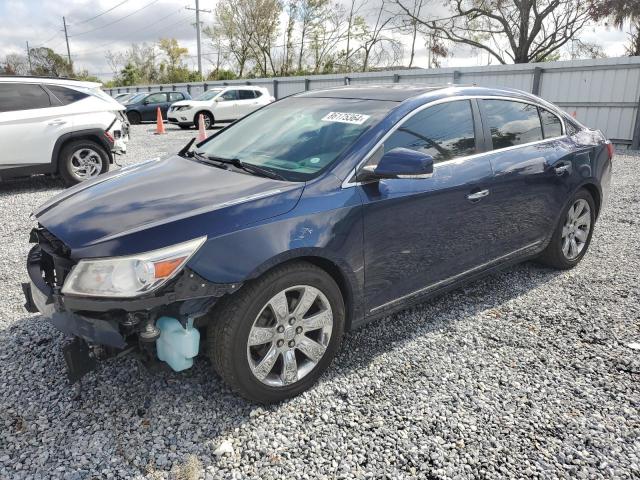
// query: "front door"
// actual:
[[422, 233], [151, 104], [227, 105]]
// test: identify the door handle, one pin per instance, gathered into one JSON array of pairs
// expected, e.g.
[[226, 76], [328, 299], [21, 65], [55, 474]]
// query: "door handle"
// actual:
[[475, 196], [562, 169], [58, 121]]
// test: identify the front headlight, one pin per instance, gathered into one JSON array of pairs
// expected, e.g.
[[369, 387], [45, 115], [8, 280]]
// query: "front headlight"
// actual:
[[129, 276]]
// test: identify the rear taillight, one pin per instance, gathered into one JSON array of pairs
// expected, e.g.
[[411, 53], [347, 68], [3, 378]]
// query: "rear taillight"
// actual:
[[109, 137], [610, 149]]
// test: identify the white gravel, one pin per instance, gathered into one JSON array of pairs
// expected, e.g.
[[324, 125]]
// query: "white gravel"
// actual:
[[529, 373]]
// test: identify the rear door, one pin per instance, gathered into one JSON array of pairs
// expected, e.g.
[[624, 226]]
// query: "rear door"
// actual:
[[30, 123], [423, 233], [247, 102], [532, 162]]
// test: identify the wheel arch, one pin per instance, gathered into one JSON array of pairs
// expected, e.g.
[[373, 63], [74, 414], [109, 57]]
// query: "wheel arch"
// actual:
[[203, 111], [95, 135], [595, 193], [331, 266]]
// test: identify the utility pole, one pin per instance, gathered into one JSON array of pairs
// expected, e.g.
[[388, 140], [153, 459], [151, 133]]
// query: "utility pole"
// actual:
[[66, 37], [198, 10], [29, 57]]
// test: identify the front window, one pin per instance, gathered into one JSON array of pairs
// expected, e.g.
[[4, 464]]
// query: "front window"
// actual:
[[209, 94], [297, 137], [229, 95], [136, 98]]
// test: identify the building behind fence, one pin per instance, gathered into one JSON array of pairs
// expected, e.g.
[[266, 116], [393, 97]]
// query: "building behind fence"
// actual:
[[602, 93]]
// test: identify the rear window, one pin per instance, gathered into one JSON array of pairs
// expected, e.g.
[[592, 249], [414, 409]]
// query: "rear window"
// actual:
[[257, 93], [512, 123], [246, 94], [66, 95], [22, 96], [175, 96]]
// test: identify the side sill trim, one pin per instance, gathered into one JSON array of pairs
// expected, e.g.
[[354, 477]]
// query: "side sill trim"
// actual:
[[454, 277]]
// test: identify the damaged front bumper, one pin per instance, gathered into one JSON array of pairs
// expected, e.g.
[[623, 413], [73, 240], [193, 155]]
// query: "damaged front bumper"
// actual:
[[113, 323]]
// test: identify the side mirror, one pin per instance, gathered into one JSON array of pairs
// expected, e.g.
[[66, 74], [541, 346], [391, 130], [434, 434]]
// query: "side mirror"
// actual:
[[217, 99], [146, 102], [399, 163]]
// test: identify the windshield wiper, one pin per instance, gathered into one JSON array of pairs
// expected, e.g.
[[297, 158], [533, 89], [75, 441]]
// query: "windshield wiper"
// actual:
[[247, 167]]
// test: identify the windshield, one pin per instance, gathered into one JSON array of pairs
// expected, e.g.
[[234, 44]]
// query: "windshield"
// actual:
[[299, 136], [137, 97], [209, 94]]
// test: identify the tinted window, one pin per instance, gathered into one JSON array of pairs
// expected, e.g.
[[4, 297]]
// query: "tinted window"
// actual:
[[175, 96], [551, 126], [66, 95], [230, 95], [512, 123], [157, 98], [246, 94], [443, 131], [257, 93], [16, 96]]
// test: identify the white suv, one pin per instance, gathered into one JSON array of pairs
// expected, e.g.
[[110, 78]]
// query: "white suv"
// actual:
[[219, 105], [58, 127]]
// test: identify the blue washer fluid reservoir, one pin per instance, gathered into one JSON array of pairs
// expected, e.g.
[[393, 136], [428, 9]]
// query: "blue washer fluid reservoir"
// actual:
[[177, 345]]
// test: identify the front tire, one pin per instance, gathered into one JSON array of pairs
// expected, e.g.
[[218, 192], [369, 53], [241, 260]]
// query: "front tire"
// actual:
[[208, 120], [82, 160], [274, 338], [572, 236], [134, 118]]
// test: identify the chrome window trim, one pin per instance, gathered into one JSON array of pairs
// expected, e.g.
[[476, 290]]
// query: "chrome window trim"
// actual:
[[349, 180], [453, 278]]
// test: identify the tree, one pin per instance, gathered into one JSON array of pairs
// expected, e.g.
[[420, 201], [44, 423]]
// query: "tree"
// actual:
[[46, 62], [518, 31], [326, 33], [376, 46], [173, 67], [263, 18], [233, 25], [620, 11], [312, 14], [15, 64]]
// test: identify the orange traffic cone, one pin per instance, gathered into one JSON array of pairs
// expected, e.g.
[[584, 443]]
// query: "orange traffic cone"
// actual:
[[159, 124], [573, 114], [202, 133]]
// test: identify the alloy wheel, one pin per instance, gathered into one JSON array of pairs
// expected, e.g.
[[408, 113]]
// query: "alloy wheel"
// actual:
[[575, 231], [86, 163], [289, 336]]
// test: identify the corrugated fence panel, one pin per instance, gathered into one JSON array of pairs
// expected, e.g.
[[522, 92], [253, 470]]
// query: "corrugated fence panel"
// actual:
[[603, 93]]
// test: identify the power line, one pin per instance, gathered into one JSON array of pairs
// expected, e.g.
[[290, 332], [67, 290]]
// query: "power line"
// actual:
[[116, 21], [100, 14]]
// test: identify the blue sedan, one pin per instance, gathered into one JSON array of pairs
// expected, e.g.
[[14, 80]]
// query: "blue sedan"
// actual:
[[261, 246]]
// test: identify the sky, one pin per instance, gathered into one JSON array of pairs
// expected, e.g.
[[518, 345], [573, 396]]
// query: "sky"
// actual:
[[97, 26]]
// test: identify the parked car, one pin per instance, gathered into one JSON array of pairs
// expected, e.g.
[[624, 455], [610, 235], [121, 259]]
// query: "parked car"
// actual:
[[219, 105], [310, 217], [58, 127], [143, 107]]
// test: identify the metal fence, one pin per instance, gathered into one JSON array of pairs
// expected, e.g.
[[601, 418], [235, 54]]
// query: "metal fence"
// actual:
[[602, 93]]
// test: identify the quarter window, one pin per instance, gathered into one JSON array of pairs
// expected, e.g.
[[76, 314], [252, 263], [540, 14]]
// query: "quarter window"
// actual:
[[257, 93], [175, 96], [551, 126], [16, 96], [512, 123], [444, 131], [66, 95]]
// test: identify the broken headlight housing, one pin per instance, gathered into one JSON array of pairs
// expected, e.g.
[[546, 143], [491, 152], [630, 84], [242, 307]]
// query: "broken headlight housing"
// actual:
[[130, 276]]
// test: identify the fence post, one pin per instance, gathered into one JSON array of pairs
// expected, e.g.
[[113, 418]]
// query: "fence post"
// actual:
[[456, 76], [204, 85], [537, 74], [275, 89], [347, 81], [396, 78], [306, 84], [160, 87], [189, 88], [635, 140]]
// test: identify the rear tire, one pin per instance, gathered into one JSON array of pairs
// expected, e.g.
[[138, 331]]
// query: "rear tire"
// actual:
[[134, 118], [246, 329], [208, 120], [572, 236], [82, 160]]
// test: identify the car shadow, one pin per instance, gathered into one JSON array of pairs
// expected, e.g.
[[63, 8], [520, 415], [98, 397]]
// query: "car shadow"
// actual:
[[39, 183], [123, 395]]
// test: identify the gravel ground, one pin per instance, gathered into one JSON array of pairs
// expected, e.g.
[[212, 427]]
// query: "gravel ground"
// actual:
[[529, 373]]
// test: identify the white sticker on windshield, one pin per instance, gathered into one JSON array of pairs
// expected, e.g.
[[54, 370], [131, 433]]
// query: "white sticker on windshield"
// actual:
[[342, 117]]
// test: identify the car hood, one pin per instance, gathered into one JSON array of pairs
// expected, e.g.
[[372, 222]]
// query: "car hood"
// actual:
[[159, 203]]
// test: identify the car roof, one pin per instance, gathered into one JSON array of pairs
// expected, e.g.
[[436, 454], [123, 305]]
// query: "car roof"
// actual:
[[48, 80], [400, 92]]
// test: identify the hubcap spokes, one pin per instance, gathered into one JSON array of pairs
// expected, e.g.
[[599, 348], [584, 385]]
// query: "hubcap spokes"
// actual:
[[575, 231], [290, 335], [86, 164]]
